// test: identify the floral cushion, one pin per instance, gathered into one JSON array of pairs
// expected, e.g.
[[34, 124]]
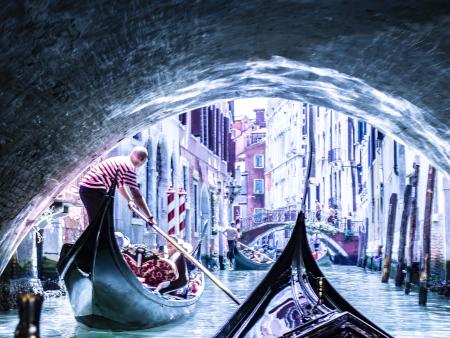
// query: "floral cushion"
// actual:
[[154, 270]]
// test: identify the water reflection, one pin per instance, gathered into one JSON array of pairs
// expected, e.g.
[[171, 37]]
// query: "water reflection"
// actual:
[[385, 304]]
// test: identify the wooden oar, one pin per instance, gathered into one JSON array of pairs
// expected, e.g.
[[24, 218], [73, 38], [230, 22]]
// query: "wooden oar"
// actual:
[[189, 257], [264, 255]]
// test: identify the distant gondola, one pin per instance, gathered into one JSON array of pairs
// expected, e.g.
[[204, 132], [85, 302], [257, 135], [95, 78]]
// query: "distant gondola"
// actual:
[[244, 262], [322, 257], [104, 292], [295, 300]]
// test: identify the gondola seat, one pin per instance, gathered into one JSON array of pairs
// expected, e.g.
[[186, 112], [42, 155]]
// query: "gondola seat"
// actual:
[[182, 281], [153, 269]]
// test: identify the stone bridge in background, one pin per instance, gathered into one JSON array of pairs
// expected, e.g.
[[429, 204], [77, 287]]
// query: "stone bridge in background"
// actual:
[[344, 244]]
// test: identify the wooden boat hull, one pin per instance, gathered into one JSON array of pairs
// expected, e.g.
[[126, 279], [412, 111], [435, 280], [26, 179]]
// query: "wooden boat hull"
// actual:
[[242, 262], [295, 300], [104, 292]]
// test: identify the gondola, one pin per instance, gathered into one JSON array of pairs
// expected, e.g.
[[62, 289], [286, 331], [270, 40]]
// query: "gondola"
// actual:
[[104, 292], [243, 262], [322, 257], [296, 300]]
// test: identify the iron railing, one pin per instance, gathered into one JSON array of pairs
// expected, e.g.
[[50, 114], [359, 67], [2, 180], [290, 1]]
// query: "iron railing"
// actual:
[[342, 224]]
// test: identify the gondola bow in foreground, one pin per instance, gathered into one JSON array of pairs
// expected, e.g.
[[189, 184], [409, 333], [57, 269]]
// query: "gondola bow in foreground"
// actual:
[[295, 300]]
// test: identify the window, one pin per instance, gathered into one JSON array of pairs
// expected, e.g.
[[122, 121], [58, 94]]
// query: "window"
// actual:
[[258, 186], [182, 118], [258, 214], [258, 161], [244, 180], [138, 136], [195, 186], [185, 178]]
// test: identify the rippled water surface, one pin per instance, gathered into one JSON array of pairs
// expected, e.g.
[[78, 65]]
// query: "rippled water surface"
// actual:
[[384, 304]]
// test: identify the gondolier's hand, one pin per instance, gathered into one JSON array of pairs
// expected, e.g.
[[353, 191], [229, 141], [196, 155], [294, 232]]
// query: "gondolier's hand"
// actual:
[[131, 205], [151, 221]]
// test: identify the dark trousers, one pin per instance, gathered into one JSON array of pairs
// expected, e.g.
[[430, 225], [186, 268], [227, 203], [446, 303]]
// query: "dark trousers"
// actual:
[[92, 200], [231, 249]]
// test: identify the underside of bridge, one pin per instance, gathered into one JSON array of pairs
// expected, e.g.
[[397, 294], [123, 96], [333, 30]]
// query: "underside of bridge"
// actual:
[[78, 76]]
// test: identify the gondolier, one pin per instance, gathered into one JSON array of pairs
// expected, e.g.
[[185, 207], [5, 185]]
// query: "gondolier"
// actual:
[[232, 236], [97, 181]]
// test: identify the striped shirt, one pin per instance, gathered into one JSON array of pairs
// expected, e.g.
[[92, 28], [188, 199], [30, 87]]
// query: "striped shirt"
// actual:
[[100, 176]]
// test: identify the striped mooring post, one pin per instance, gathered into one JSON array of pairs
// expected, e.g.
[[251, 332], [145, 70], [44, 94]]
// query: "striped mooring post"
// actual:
[[171, 221], [182, 211]]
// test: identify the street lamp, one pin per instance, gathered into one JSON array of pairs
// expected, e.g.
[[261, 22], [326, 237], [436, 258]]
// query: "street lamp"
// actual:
[[233, 189]]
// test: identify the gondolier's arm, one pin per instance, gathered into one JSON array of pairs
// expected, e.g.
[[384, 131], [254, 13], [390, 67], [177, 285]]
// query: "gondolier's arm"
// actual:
[[136, 201]]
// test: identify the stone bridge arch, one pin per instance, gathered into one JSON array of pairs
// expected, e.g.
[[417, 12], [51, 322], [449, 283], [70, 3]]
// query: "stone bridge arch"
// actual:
[[252, 234], [79, 77]]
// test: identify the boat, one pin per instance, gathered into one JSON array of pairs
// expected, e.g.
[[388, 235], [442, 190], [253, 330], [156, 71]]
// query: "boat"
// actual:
[[322, 257], [103, 290], [296, 300], [248, 259]]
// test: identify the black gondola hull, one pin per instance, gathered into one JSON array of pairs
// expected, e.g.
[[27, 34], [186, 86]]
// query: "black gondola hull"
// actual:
[[105, 293], [241, 262], [112, 302], [295, 300]]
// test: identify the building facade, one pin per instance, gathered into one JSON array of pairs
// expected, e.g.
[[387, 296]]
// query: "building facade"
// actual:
[[356, 171], [249, 136]]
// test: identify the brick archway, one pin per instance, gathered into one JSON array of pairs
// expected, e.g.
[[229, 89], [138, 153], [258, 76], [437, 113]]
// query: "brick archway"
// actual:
[[78, 78]]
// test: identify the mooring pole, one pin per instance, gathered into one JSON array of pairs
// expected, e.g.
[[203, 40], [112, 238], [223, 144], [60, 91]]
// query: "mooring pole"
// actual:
[[412, 230], [389, 238], [425, 266], [400, 275]]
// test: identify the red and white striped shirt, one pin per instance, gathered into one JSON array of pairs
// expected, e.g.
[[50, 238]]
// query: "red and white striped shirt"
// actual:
[[100, 176]]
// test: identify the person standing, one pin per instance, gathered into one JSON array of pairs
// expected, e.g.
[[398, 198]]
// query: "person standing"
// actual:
[[318, 211], [232, 236], [96, 182]]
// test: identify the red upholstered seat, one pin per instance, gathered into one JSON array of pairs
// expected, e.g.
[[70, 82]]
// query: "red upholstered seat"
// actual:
[[154, 271]]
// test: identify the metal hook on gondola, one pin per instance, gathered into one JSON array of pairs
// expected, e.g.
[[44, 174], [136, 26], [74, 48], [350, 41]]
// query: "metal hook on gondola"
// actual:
[[189, 257]]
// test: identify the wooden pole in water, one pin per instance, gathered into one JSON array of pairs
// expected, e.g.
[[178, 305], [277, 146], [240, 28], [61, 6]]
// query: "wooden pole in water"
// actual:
[[389, 238], [425, 266], [360, 245], [399, 276], [364, 246], [412, 229]]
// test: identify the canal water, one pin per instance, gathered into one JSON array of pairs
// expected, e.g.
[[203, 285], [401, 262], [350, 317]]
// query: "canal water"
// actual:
[[384, 304]]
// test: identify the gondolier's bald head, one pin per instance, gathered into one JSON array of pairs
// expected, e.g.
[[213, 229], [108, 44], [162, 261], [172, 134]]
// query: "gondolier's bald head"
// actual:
[[138, 155]]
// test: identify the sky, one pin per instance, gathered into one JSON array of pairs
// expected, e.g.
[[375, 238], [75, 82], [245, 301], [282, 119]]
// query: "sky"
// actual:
[[245, 106]]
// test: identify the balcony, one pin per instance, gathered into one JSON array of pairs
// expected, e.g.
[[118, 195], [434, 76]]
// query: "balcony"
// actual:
[[334, 155]]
